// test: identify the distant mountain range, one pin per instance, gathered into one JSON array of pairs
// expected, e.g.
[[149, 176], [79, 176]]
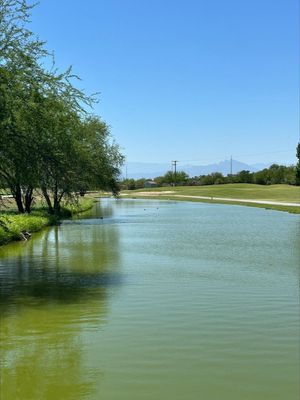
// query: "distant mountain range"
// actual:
[[138, 170]]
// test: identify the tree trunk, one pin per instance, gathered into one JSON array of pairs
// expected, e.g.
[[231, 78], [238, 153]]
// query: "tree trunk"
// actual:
[[48, 200], [56, 200], [28, 199], [56, 206], [17, 193]]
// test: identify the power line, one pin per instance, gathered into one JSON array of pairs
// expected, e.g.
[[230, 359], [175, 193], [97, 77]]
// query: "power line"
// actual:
[[241, 155], [175, 164]]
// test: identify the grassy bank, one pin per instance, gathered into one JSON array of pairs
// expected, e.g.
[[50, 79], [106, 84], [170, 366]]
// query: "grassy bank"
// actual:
[[278, 193], [13, 224]]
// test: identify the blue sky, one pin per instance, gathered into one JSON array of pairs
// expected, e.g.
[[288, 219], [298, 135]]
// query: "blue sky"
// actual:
[[192, 80]]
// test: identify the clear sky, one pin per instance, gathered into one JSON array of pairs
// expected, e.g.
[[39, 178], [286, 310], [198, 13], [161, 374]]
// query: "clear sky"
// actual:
[[192, 80]]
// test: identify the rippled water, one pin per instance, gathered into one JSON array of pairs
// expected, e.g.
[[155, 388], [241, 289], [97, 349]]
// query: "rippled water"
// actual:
[[157, 300]]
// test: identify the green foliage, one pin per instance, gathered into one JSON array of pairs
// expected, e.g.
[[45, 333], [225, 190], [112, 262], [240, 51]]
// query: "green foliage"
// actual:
[[75, 206], [274, 175], [244, 177], [131, 184], [170, 178], [48, 140], [12, 226], [216, 178]]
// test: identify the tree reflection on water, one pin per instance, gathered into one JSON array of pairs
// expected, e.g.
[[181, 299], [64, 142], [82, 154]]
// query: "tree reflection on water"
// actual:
[[54, 290]]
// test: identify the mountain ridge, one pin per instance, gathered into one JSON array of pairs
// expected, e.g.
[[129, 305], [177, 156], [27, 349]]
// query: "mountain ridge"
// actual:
[[146, 170]]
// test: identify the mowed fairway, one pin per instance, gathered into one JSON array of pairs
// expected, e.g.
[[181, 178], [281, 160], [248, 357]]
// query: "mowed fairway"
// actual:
[[243, 191]]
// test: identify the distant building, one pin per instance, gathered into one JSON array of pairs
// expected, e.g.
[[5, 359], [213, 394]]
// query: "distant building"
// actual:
[[150, 184]]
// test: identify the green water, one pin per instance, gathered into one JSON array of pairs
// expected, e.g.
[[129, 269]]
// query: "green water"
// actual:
[[157, 300]]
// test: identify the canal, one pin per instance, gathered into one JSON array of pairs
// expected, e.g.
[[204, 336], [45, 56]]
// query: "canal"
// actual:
[[150, 300]]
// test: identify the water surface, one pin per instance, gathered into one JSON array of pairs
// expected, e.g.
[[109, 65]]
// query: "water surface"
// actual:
[[153, 300]]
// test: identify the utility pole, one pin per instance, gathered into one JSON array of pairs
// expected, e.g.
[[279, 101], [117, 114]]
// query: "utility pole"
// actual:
[[175, 164]]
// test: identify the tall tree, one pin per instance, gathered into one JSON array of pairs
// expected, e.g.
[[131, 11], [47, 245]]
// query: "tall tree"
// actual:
[[41, 112], [76, 154]]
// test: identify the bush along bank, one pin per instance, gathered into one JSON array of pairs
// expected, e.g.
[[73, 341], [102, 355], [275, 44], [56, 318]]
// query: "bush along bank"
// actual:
[[14, 226]]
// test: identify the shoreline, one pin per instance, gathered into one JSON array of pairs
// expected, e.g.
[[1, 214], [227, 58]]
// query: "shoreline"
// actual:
[[15, 227], [292, 208]]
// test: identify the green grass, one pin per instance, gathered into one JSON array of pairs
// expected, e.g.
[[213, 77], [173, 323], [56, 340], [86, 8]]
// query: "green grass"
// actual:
[[12, 224], [237, 190], [280, 193], [83, 204]]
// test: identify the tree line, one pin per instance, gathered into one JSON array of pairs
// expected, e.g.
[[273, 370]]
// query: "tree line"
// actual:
[[275, 174], [48, 140]]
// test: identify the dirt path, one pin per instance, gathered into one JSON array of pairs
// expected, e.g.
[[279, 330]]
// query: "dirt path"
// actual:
[[275, 203]]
